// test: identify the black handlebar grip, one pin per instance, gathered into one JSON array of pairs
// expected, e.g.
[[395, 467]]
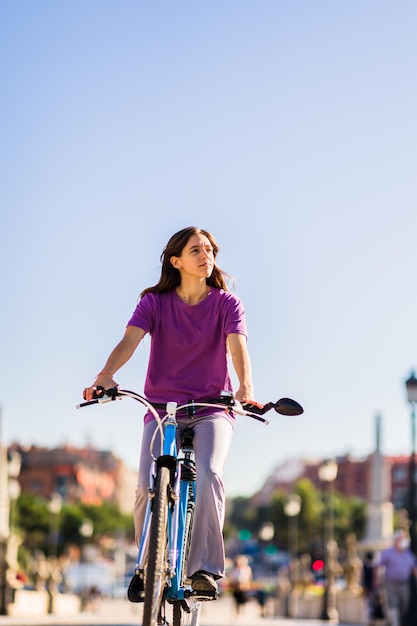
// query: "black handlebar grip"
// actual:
[[99, 392], [257, 409]]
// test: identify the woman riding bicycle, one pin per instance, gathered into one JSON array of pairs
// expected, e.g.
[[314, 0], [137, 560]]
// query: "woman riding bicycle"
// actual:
[[194, 323]]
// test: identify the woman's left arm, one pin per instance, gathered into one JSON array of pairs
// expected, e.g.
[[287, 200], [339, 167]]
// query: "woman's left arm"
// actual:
[[242, 365]]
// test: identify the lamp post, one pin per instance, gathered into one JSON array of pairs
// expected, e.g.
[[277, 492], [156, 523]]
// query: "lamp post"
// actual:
[[10, 463], [86, 529], [54, 506], [14, 461], [411, 387], [265, 535], [292, 509], [327, 474]]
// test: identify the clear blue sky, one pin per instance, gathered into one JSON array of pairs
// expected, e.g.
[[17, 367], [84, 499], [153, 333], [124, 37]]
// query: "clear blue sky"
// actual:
[[289, 130]]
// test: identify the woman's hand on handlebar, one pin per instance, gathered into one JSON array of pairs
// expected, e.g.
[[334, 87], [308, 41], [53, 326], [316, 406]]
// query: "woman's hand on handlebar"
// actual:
[[102, 380], [245, 397]]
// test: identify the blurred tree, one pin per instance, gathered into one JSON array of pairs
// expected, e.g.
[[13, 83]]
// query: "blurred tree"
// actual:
[[349, 516], [33, 523], [242, 514]]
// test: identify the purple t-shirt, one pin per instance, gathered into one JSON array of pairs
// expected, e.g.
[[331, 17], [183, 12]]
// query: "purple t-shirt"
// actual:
[[188, 356], [398, 564]]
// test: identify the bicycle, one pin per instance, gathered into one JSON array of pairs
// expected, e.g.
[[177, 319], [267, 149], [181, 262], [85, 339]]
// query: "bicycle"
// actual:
[[165, 540]]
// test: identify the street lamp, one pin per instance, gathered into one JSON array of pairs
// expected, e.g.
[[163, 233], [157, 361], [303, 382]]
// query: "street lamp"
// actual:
[[14, 462], [10, 463], [86, 529], [265, 535], [292, 509], [54, 506], [327, 474], [411, 386]]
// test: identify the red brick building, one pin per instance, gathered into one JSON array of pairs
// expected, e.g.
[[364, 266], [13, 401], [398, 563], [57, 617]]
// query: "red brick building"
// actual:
[[77, 474]]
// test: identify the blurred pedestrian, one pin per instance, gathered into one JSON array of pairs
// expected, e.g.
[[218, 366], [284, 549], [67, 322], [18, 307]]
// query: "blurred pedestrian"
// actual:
[[241, 582], [396, 565], [374, 606], [368, 581], [261, 597]]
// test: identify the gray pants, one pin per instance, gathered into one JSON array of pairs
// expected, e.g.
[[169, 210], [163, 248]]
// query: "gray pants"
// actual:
[[212, 439], [398, 599]]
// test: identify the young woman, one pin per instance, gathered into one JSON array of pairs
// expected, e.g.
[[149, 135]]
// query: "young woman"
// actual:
[[195, 324]]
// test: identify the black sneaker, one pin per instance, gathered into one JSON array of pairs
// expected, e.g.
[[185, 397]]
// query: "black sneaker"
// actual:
[[136, 590], [203, 581]]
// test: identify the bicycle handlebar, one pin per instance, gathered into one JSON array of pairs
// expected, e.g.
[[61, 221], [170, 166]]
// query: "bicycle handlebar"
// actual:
[[283, 406]]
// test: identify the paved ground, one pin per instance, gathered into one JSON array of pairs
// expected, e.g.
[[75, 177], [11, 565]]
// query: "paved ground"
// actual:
[[123, 613]]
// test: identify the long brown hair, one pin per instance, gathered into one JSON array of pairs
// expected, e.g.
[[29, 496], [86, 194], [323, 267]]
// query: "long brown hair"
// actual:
[[170, 276]]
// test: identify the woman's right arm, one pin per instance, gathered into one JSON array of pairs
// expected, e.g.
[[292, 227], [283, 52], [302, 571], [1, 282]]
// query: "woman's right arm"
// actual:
[[120, 355]]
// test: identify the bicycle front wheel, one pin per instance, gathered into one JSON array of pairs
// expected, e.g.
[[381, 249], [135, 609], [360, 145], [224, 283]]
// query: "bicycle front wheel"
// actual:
[[157, 570], [185, 618]]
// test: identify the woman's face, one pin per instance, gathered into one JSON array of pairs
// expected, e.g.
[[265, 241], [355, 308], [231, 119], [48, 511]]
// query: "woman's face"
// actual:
[[197, 258]]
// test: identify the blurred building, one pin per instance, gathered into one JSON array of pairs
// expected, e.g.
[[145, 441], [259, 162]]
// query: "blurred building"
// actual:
[[78, 474], [353, 478], [94, 476]]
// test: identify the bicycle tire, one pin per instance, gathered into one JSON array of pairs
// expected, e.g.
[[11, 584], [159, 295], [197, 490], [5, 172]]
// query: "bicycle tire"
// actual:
[[182, 618], [179, 615], [157, 569]]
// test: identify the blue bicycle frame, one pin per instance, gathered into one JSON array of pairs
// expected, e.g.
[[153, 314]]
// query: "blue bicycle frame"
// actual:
[[183, 496]]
